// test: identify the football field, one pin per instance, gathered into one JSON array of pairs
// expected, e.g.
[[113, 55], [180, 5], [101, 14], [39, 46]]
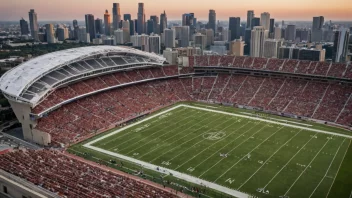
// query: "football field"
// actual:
[[235, 152]]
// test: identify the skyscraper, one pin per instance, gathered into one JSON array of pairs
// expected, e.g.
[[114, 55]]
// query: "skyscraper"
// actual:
[[75, 29], [209, 33], [116, 15], [62, 33], [290, 33], [155, 20], [119, 37], [271, 48], [169, 38], [90, 26], [154, 44], [277, 33], [187, 19], [33, 22], [234, 27], [237, 47], [318, 23], [99, 26], [272, 26], [255, 22], [132, 27], [265, 20], [127, 17], [126, 31], [24, 27], [341, 41], [150, 26], [184, 36], [212, 20], [107, 22], [141, 19], [50, 35], [163, 22], [259, 34], [250, 16]]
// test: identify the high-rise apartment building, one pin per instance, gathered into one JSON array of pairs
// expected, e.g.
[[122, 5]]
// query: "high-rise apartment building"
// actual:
[[154, 44], [107, 23], [277, 33], [141, 19], [99, 26], [62, 33], [212, 20], [271, 48], [341, 42], [90, 26], [237, 47], [200, 40], [24, 27], [50, 33], [116, 15], [126, 31], [209, 33], [265, 20], [169, 38], [250, 16], [163, 22], [119, 36], [83, 36], [33, 23], [258, 36], [234, 27]]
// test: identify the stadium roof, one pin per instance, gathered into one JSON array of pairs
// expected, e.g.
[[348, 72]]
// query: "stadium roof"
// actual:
[[14, 82]]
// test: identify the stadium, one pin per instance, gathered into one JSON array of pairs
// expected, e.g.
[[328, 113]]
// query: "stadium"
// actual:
[[237, 126]]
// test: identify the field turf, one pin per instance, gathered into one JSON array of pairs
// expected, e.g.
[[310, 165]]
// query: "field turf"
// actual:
[[256, 157]]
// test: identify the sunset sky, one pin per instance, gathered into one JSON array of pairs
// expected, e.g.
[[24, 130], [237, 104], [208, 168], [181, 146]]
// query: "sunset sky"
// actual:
[[279, 9]]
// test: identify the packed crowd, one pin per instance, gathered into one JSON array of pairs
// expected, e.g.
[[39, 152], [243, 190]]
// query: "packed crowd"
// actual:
[[102, 82], [95, 113], [272, 64], [69, 177]]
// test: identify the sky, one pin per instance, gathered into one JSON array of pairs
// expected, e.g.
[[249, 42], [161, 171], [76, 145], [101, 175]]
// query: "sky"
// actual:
[[55, 10]]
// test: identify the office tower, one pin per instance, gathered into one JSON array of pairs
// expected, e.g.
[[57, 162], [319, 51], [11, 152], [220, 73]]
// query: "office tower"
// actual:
[[169, 38], [247, 41], [150, 27], [107, 22], [187, 19], [24, 27], [277, 33], [212, 21], [298, 53], [341, 42], [318, 23], [119, 37], [328, 35], [200, 40], [184, 36], [99, 26], [154, 44], [271, 48], [156, 26], [75, 29], [265, 20], [90, 26], [141, 19], [50, 34], [132, 27], [163, 22], [116, 16], [271, 28], [178, 31], [75, 23], [141, 41], [250, 16], [209, 33], [62, 33], [255, 22], [282, 24], [302, 35], [234, 27], [258, 36], [83, 36], [33, 23], [237, 47], [290, 33], [317, 29], [126, 31], [242, 29], [127, 17], [226, 35]]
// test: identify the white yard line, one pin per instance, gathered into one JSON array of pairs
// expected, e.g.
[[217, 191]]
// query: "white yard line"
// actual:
[[247, 155], [224, 147], [185, 143], [338, 169], [307, 166], [270, 121], [288, 162], [179, 133], [210, 145], [269, 159], [327, 169], [166, 133]]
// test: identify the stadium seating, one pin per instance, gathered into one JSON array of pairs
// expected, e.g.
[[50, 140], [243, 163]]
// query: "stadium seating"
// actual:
[[248, 62], [69, 177], [290, 66], [238, 62], [322, 68], [274, 64], [259, 63], [226, 61]]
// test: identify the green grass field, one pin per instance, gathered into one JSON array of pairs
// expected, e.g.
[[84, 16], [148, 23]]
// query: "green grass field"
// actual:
[[256, 157]]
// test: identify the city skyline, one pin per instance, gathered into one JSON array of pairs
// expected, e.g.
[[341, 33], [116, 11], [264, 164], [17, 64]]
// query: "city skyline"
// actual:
[[338, 10]]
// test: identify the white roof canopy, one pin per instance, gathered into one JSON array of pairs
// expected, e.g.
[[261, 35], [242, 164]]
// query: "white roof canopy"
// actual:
[[15, 82]]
